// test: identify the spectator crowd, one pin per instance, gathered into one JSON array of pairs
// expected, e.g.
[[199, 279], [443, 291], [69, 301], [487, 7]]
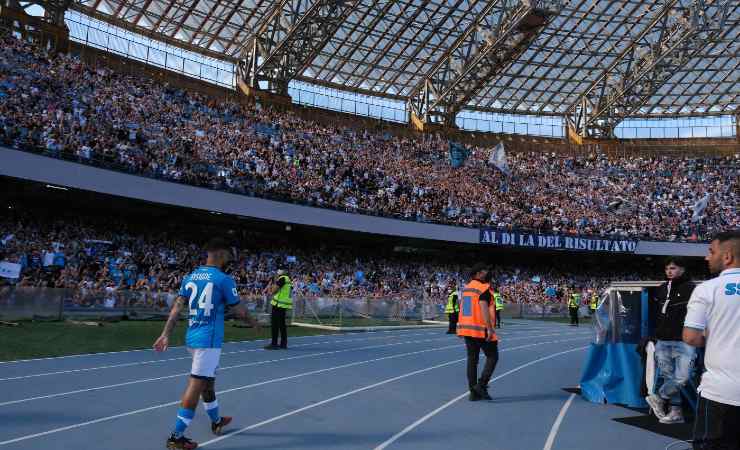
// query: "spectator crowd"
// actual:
[[61, 107], [105, 255]]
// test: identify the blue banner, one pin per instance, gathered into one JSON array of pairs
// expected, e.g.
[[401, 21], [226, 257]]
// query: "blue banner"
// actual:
[[458, 154], [556, 242]]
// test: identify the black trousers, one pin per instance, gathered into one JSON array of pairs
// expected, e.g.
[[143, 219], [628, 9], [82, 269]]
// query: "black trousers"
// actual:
[[490, 349], [573, 316], [453, 322], [717, 426], [279, 326], [499, 322]]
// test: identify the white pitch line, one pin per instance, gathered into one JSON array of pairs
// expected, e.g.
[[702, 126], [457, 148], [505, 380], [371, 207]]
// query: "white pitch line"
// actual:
[[328, 400], [139, 350], [365, 388], [423, 419], [181, 358], [251, 364], [558, 421], [226, 391], [237, 366], [81, 355], [250, 386]]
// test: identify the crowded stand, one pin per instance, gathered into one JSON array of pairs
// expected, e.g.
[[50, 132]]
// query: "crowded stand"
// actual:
[[63, 108], [106, 255]]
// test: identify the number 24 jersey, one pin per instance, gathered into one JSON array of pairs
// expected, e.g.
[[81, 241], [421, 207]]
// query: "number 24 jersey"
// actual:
[[209, 291]]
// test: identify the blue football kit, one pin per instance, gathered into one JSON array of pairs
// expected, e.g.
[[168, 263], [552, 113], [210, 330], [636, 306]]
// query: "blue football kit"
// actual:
[[209, 292]]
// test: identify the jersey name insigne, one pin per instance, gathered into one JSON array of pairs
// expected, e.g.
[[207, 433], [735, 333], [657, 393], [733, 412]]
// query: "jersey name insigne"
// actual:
[[208, 292]]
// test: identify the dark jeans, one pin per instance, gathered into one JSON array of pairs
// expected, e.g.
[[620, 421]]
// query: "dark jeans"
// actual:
[[717, 426], [490, 349], [573, 316], [499, 322], [279, 327], [453, 322]]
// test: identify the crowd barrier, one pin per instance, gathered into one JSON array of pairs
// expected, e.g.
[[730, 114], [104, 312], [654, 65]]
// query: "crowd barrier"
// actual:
[[434, 310], [348, 311], [18, 303]]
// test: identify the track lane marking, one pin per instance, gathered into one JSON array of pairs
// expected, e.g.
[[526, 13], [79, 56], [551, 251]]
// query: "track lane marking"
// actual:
[[180, 358], [237, 366], [372, 386], [253, 385], [251, 364], [428, 416], [188, 357], [144, 350], [135, 350], [558, 421]]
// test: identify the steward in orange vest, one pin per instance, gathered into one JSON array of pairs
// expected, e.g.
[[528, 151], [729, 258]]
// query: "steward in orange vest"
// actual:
[[475, 324]]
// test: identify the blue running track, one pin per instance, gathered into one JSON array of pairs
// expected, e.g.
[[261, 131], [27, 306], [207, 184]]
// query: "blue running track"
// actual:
[[400, 390]]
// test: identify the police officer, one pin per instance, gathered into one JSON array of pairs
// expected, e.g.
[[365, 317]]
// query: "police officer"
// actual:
[[574, 302], [475, 324], [499, 299], [281, 292], [712, 319], [452, 309]]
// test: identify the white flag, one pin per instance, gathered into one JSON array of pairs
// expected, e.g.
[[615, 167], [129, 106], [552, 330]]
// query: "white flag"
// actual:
[[699, 208], [9, 269], [498, 158]]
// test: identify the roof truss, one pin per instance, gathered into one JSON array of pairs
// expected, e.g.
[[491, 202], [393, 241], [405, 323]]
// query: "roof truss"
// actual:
[[678, 31], [53, 9], [499, 35], [288, 40], [389, 48]]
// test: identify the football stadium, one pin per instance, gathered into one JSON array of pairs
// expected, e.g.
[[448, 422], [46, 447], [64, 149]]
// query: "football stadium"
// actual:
[[370, 224]]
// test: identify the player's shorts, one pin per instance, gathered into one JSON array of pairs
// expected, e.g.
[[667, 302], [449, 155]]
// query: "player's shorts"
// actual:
[[205, 362]]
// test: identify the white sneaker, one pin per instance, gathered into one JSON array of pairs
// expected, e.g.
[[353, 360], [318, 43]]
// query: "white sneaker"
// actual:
[[672, 418], [657, 405]]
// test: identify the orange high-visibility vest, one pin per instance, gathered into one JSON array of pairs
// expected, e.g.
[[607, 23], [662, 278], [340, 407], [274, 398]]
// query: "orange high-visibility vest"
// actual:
[[470, 322]]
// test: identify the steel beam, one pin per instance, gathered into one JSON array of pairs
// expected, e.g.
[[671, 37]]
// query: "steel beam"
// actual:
[[53, 9], [678, 31], [291, 37], [502, 31]]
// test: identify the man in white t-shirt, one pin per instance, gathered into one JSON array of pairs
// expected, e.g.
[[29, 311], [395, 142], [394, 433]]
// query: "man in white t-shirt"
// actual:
[[713, 320]]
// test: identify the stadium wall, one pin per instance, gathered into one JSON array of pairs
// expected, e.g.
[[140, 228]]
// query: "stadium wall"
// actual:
[[42, 169]]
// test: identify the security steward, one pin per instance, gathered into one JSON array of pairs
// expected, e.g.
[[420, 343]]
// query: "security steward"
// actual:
[[452, 309], [594, 303], [282, 300], [499, 299], [574, 302], [475, 325]]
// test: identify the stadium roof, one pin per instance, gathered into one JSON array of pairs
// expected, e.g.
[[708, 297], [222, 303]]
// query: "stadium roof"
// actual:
[[388, 47]]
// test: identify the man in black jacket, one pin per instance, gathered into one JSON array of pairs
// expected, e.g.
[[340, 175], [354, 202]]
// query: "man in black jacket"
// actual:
[[674, 358]]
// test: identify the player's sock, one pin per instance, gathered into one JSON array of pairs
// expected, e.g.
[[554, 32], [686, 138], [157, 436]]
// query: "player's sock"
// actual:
[[184, 417], [212, 410]]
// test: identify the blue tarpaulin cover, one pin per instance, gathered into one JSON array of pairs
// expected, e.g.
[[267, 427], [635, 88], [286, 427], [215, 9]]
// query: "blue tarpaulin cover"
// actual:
[[612, 374]]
